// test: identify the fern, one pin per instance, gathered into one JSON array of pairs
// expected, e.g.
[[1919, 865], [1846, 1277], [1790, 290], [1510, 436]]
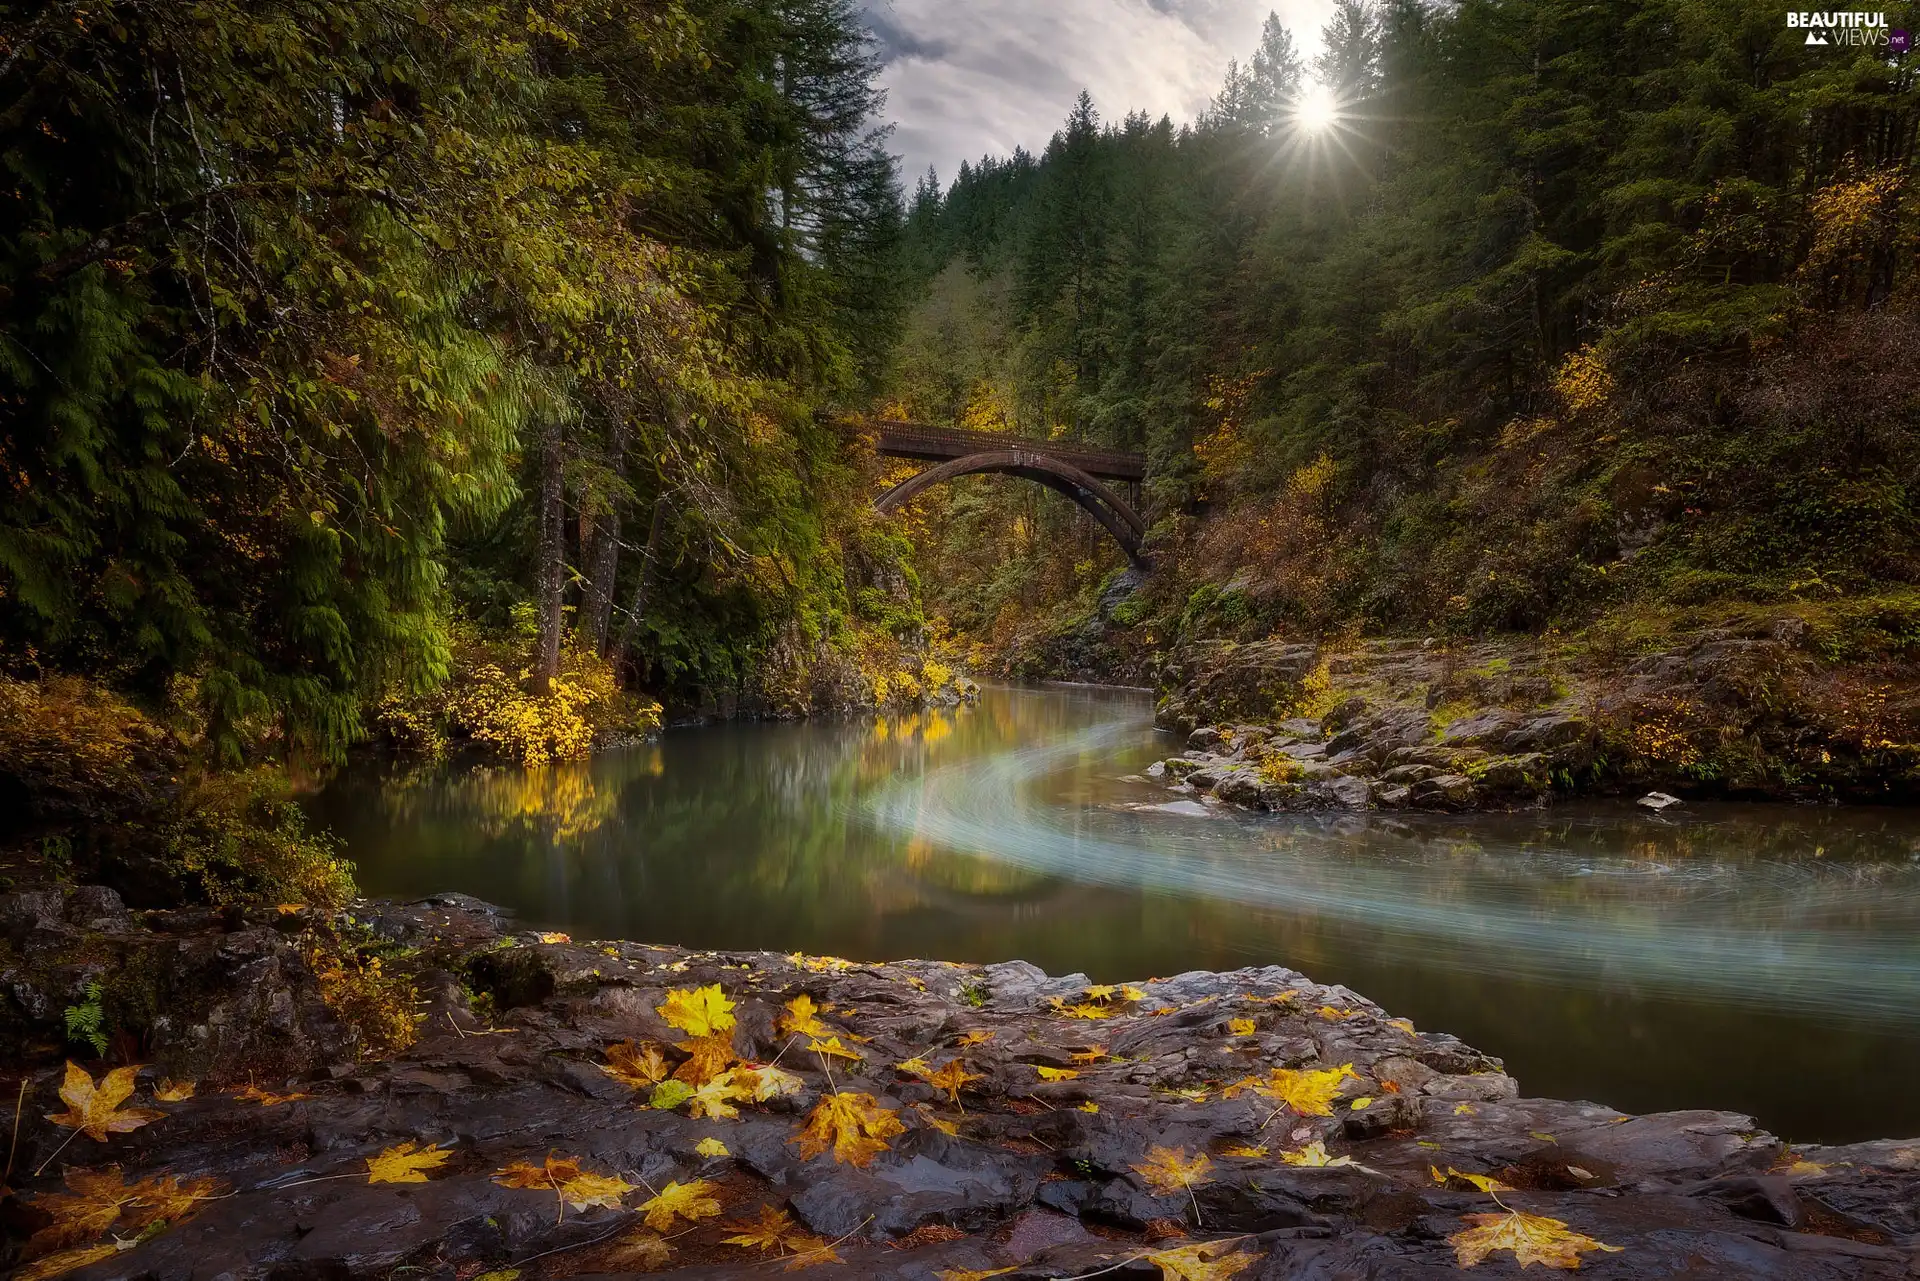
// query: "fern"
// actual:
[[88, 1020]]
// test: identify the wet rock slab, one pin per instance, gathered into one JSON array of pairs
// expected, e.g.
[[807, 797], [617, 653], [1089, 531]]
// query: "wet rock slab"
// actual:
[[1033, 1172]]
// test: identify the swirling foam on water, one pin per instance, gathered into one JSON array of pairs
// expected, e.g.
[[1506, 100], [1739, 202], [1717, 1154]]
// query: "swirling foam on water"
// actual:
[[1797, 934]]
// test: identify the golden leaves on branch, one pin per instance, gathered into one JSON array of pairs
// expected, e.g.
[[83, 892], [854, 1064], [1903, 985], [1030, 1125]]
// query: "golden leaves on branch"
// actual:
[[1170, 1170], [406, 1163], [690, 1201], [854, 1127], [1533, 1238]]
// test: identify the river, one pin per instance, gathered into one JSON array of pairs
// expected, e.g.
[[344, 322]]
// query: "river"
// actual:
[[1763, 959]]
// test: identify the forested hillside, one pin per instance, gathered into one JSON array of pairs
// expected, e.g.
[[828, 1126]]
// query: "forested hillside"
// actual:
[[1569, 310], [346, 346]]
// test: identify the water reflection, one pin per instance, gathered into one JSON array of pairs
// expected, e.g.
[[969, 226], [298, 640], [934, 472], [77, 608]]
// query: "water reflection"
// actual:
[[1730, 958]]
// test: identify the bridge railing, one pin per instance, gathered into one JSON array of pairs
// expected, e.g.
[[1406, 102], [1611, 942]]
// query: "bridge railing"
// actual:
[[919, 440]]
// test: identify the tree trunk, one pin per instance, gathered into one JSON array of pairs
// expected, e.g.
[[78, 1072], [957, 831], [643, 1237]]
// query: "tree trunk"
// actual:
[[603, 555], [644, 588], [552, 573]]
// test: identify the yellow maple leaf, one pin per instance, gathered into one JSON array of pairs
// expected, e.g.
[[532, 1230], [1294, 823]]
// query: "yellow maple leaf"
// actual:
[[939, 1123], [802, 1018], [767, 1081], [1307, 1091], [95, 1110], [707, 1057], [1464, 1109], [1485, 1182], [1170, 1170], [915, 1066], [699, 1012], [716, 1098], [853, 1126], [53, 1265], [97, 1200], [832, 1047], [522, 1174], [1089, 1106], [640, 1066], [970, 1274], [1329, 1012], [405, 1163], [711, 1147], [766, 1235], [1314, 1155], [1533, 1238], [169, 1091], [637, 1251], [268, 1099], [1207, 1261], [1092, 1054], [1086, 1011], [1361, 1104], [978, 1037], [1131, 993], [690, 1201], [951, 1078], [553, 936], [1251, 1151], [1055, 1074], [585, 1190], [1240, 1027], [809, 1252]]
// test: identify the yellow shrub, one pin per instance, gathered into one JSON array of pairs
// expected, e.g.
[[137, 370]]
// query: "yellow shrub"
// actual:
[[1583, 381], [381, 1006], [1278, 767]]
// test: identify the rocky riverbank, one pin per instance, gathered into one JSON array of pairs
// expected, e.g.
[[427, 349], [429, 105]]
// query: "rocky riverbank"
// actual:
[[568, 1108], [1502, 724]]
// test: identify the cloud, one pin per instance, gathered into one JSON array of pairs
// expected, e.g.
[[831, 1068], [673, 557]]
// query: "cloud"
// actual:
[[967, 78]]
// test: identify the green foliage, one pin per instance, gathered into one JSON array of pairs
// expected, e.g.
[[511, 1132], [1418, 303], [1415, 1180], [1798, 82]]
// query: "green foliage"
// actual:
[[237, 838], [87, 1021], [1573, 307]]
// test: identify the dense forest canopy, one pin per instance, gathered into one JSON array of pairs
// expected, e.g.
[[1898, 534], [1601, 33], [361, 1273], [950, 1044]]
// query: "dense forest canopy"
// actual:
[[352, 346], [1494, 315], [324, 324]]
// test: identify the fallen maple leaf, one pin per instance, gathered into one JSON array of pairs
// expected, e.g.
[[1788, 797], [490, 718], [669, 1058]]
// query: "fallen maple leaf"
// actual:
[[809, 1252], [97, 1200], [1055, 1074], [854, 1126], [585, 1190], [1308, 1092], [690, 1201], [1092, 1054], [1251, 1151], [970, 1274], [915, 1066], [697, 1011], [1330, 1012], [405, 1163], [640, 1066], [553, 936], [1207, 1261], [636, 1252], [975, 1038], [939, 1123], [1464, 1109], [1485, 1182], [768, 1082], [267, 1098], [802, 1018], [170, 1092], [1089, 1106], [95, 1110], [1240, 1027], [717, 1097], [1086, 1011], [53, 1265], [711, 1147], [1533, 1238], [951, 1078], [767, 1235], [1132, 993], [707, 1057], [522, 1174], [669, 1095], [1100, 992], [1314, 1155], [1170, 1170], [832, 1047]]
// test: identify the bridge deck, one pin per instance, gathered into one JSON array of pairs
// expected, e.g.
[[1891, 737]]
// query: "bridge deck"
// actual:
[[917, 440]]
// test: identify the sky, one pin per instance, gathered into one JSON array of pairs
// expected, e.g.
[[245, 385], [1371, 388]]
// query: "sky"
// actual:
[[966, 78]]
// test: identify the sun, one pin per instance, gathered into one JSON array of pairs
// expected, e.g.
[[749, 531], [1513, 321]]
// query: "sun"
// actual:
[[1316, 110]]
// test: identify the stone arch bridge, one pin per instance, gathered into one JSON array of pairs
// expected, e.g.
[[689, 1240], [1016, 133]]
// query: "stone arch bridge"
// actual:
[[1078, 471]]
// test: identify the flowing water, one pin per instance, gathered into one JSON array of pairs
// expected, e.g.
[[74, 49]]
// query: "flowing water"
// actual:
[[1763, 959]]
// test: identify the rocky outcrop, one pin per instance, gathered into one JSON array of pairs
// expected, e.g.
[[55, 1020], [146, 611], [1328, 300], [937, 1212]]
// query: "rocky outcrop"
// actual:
[[1273, 1126], [1504, 724]]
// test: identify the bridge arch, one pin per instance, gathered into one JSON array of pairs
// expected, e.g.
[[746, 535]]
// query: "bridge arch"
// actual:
[[1096, 499]]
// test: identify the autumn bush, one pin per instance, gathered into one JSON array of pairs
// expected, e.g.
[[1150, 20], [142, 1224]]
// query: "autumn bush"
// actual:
[[489, 703], [238, 838], [378, 1003], [71, 748]]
